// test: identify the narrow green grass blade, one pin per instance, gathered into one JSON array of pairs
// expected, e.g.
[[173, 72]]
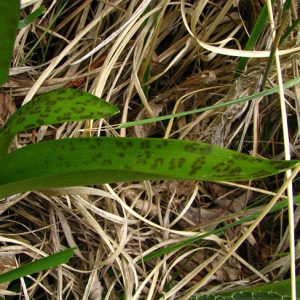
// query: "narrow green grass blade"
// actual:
[[215, 106], [289, 30], [61, 105], [9, 18], [38, 265], [253, 38], [29, 19], [33, 48], [85, 161], [198, 237], [245, 296]]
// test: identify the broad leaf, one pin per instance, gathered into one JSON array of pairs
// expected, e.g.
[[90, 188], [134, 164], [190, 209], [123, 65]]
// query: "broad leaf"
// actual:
[[84, 161], [278, 290], [9, 18], [61, 105]]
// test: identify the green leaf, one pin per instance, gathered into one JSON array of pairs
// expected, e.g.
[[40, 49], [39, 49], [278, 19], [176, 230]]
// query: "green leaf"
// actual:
[[61, 105], [289, 30], [199, 237], [9, 18], [278, 290], [51, 24], [29, 19], [253, 38], [264, 93], [245, 296], [85, 161], [38, 265]]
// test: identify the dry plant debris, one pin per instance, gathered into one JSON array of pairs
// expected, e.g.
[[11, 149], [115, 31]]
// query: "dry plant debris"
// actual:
[[115, 226]]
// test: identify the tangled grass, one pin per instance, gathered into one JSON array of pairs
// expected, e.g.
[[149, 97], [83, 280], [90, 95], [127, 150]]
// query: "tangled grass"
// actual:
[[150, 58]]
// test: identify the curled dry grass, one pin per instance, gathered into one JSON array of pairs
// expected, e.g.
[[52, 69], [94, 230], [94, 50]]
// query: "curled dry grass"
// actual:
[[115, 226]]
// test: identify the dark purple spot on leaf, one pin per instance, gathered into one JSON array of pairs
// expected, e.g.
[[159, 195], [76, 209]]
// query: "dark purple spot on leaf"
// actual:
[[44, 115], [190, 148], [98, 141], [89, 116], [40, 122], [124, 144], [157, 163], [65, 117], [44, 97], [61, 91], [77, 93], [20, 120], [78, 110], [96, 156], [172, 164], [48, 109], [35, 110], [235, 171], [181, 161], [262, 173], [29, 126], [142, 159], [197, 165], [205, 149], [106, 162], [50, 102], [145, 144], [280, 165], [176, 163], [220, 167]]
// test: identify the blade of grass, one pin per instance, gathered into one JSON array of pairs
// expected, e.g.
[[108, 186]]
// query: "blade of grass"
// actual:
[[29, 19], [289, 30], [275, 42], [38, 265], [245, 235], [275, 37], [216, 106], [253, 38], [43, 34], [155, 254], [147, 73]]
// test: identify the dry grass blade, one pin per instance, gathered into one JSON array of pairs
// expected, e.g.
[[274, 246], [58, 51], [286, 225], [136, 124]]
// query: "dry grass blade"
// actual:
[[192, 48]]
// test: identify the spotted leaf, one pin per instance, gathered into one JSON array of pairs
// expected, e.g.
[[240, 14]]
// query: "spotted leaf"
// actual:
[[84, 161], [61, 105]]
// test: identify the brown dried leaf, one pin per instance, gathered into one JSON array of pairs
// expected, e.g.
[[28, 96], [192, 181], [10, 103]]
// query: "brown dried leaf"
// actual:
[[7, 108], [229, 271], [7, 263], [202, 216]]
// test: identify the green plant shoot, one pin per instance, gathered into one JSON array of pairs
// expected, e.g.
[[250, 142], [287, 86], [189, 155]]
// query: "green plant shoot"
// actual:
[[9, 19], [95, 160]]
